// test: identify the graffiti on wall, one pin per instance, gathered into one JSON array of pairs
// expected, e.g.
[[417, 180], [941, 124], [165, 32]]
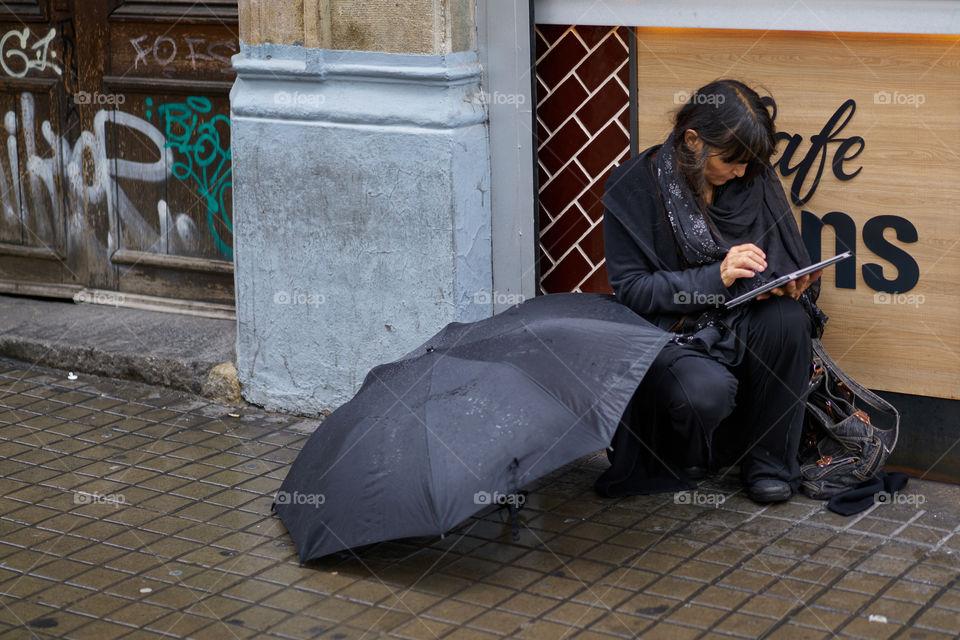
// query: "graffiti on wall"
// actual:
[[17, 59], [164, 50], [89, 175], [201, 157]]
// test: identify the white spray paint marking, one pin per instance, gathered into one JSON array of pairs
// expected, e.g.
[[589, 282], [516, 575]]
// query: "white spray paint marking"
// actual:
[[103, 183], [41, 61], [164, 51]]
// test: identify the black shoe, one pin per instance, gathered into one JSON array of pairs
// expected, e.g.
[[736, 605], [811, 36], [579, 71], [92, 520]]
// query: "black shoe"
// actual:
[[695, 473], [767, 490]]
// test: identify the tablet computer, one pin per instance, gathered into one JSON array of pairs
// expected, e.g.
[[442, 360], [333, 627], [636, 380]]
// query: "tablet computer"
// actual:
[[782, 280]]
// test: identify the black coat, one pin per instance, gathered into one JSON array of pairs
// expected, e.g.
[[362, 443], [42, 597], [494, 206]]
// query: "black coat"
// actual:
[[643, 264], [646, 269]]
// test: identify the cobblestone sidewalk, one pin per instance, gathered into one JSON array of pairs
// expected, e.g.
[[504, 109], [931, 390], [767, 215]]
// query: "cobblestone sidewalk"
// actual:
[[130, 511]]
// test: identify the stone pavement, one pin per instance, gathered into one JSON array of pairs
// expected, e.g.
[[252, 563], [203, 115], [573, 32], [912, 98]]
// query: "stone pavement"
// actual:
[[131, 511]]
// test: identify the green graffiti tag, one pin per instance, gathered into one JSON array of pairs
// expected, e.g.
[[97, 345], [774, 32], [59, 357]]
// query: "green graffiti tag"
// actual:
[[201, 155]]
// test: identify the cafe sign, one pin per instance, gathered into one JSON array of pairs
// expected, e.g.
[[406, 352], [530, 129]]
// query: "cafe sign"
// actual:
[[868, 155]]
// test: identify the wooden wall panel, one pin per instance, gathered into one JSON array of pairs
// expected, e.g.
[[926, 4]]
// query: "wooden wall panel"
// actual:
[[906, 91]]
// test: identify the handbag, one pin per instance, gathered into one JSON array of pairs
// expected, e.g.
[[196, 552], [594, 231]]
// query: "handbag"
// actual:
[[841, 446]]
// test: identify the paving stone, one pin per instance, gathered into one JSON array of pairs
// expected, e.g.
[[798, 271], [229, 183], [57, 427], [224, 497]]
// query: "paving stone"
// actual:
[[194, 550]]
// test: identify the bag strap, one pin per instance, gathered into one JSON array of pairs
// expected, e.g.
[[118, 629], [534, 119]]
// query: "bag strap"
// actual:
[[860, 391]]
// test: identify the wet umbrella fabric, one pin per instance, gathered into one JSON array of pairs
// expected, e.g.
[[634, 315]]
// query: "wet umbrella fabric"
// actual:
[[474, 413]]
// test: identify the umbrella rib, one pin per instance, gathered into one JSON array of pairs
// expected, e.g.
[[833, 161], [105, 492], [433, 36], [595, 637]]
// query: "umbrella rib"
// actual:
[[432, 432], [398, 400], [557, 357], [663, 340], [431, 500]]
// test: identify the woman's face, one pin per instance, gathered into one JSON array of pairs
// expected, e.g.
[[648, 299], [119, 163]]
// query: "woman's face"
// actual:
[[716, 171]]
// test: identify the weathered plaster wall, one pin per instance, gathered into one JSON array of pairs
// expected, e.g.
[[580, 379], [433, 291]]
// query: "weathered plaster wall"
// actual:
[[280, 21], [428, 27], [361, 214]]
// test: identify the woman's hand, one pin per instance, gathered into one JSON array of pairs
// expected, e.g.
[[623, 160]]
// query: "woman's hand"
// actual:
[[742, 261], [793, 288]]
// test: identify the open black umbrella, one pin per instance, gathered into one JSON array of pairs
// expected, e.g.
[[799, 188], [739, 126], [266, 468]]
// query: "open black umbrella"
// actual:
[[465, 420]]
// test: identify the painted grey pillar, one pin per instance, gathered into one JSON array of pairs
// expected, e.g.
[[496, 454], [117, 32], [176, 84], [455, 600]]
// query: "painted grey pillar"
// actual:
[[361, 214], [505, 51]]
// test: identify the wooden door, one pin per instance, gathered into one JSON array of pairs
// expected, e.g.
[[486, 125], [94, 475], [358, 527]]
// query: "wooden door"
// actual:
[[33, 232], [118, 173]]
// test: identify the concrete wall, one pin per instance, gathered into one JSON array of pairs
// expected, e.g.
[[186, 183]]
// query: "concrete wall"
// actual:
[[361, 214]]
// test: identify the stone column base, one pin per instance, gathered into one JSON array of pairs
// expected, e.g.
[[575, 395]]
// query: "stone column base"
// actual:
[[361, 214]]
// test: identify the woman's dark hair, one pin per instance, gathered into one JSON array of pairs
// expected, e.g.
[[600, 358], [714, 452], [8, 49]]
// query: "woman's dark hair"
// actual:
[[730, 118]]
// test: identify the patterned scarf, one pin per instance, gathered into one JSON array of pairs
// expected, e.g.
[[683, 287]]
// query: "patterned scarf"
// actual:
[[755, 211]]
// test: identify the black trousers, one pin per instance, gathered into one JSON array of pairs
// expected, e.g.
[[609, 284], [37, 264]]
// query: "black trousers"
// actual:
[[692, 410]]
